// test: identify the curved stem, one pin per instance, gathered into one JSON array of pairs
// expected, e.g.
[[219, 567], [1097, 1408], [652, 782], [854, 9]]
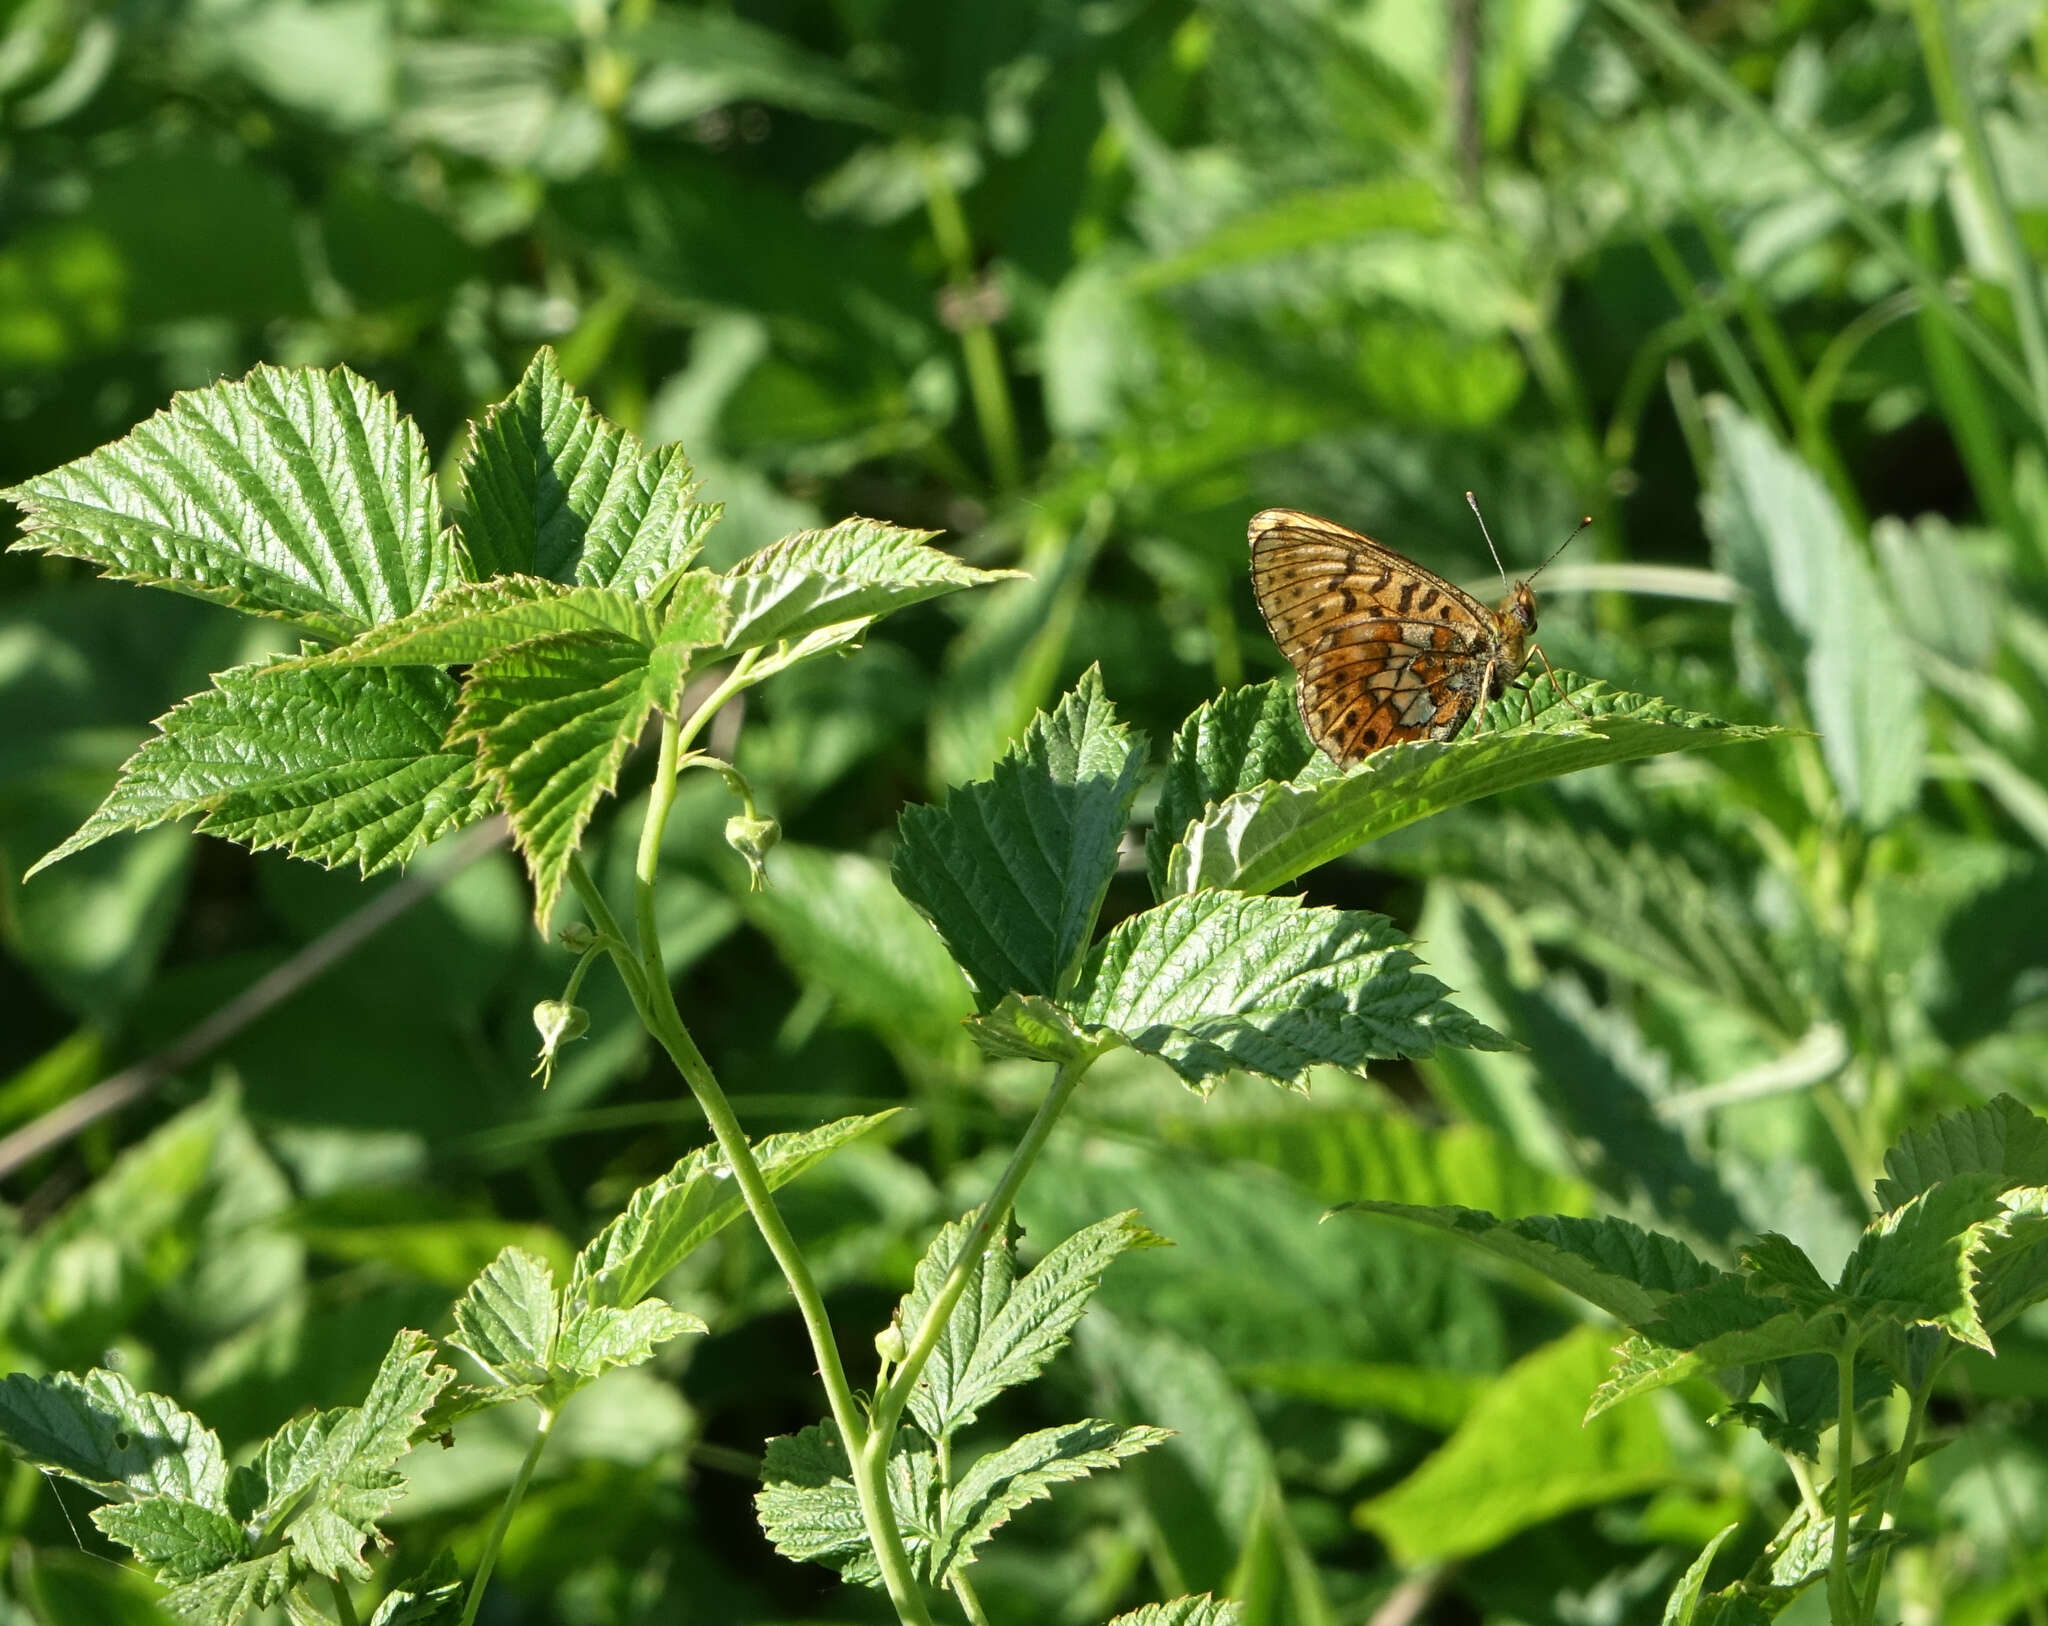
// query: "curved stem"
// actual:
[[503, 1522], [1841, 1595], [963, 1589], [889, 1404], [1909, 1438]]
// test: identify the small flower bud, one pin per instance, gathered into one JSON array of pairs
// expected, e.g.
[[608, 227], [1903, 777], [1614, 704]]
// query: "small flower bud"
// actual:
[[890, 1343], [577, 936], [751, 838], [558, 1022]]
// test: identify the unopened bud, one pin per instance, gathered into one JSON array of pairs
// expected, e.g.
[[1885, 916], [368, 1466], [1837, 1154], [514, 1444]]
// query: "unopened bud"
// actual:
[[558, 1022], [751, 838]]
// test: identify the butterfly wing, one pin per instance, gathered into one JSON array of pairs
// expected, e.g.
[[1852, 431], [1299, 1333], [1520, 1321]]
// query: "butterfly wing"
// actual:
[[1383, 650]]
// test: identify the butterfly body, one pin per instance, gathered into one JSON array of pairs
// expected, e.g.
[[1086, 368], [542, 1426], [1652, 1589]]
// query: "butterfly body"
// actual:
[[1383, 649]]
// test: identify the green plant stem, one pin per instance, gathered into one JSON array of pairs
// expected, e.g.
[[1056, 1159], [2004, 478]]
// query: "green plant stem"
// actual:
[[1718, 83], [1841, 1595], [1943, 47], [1902, 1462], [963, 1589], [655, 1002], [986, 381], [888, 1408], [344, 1605], [503, 1522]]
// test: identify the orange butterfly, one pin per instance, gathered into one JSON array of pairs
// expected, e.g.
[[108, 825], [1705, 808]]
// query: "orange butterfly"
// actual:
[[1383, 650]]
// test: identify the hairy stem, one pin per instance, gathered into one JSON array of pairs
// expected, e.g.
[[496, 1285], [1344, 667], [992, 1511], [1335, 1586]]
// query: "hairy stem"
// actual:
[[503, 1522], [889, 1404]]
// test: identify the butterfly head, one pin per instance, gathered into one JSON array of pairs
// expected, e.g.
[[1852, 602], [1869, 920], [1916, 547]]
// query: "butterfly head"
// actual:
[[1520, 606]]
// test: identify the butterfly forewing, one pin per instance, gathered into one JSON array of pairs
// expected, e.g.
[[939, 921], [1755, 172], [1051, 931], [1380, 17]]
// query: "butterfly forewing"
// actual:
[[1383, 650]]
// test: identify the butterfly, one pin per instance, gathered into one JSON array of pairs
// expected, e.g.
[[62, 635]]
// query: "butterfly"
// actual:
[[1383, 650]]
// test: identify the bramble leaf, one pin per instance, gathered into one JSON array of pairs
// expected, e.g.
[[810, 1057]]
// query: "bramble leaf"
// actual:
[[669, 1218], [1626, 1271], [554, 717], [336, 767], [809, 1509], [1917, 1265], [475, 620], [1023, 1472], [1012, 869], [1200, 1610], [1261, 839], [606, 1336], [1683, 1606], [508, 1319], [226, 1595], [1221, 980], [1003, 1331], [99, 1431], [552, 489], [292, 493], [1236, 742], [2002, 1137], [846, 576], [179, 1540]]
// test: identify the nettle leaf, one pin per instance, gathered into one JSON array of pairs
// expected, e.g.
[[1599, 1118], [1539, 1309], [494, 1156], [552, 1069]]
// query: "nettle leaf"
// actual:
[[99, 1431], [809, 1509], [334, 766], [1003, 1331], [1023, 1472], [1242, 739], [1261, 839], [1626, 1271], [554, 717], [1917, 1265], [1520, 1457], [671, 1217], [508, 1318], [606, 1336], [1200, 1610], [475, 620], [1814, 600], [292, 493], [551, 489], [226, 1595], [179, 1540], [845, 576], [2003, 1137], [1012, 869], [1221, 980], [333, 1473]]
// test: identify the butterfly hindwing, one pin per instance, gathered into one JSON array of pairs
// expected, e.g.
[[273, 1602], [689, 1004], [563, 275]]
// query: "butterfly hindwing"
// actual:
[[1383, 650]]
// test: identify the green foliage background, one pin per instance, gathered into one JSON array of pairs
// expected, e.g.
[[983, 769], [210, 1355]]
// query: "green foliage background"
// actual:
[[1083, 285]]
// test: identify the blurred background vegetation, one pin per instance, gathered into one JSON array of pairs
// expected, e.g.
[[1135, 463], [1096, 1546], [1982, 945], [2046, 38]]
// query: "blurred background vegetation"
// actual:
[[1083, 283]]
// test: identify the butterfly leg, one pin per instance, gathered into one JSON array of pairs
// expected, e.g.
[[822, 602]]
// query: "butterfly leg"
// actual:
[[1558, 688]]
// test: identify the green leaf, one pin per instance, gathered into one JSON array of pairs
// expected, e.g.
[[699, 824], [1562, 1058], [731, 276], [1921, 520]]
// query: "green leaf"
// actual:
[[842, 927], [1221, 980], [508, 1319], [336, 767], [551, 489], [810, 1511], [1816, 605], [226, 1595], [425, 1600], [847, 575], [1242, 739], [2002, 1137], [100, 1432], [292, 493], [1917, 1265], [1025, 1027], [1012, 870], [1723, 1323], [1683, 1606], [475, 620], [1201, 1610], [1024, 1472], [554, 717], [669, 1218], [333, 1472], [606, 1336], [1520, 1458], [179, 1540], [1261, 839], [1624, 1270], [1003, 1331]]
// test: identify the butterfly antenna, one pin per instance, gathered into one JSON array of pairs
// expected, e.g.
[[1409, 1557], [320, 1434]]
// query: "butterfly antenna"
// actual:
[[1472, 503], [1567, 542]]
